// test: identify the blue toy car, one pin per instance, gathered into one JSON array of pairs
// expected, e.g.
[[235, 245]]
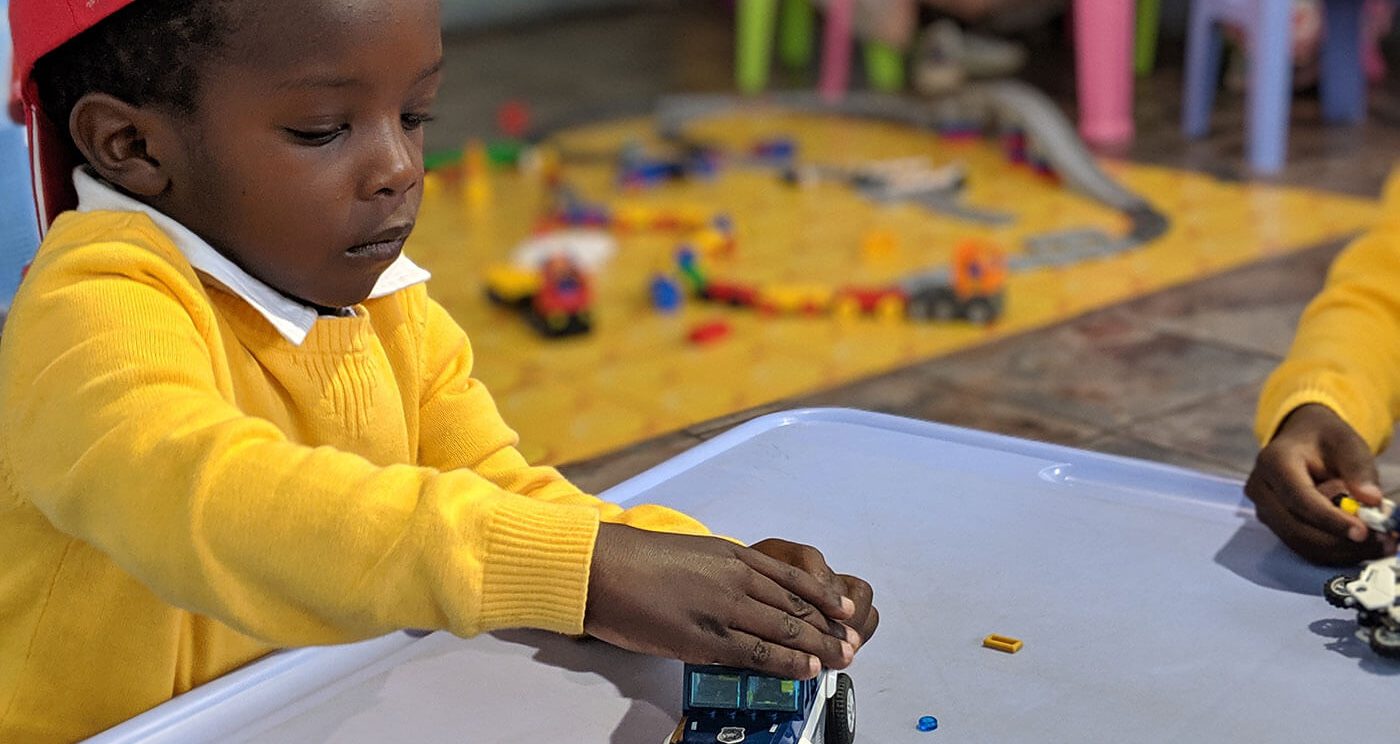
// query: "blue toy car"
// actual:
[[728, 706]]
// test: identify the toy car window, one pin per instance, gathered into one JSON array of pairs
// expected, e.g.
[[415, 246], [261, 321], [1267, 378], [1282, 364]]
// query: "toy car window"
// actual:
[[767, 693], [714, 690]]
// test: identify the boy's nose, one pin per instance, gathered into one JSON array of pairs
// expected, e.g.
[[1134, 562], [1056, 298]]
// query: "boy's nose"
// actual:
[[395, 165]]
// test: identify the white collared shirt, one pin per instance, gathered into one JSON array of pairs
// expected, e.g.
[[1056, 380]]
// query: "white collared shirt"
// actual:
[[291, 318]]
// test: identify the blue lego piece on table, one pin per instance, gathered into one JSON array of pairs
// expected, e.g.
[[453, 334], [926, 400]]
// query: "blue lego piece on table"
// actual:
[[665, 294], [928, 723]]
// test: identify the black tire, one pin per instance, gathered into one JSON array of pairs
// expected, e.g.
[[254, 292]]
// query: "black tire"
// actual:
[[1370, 619], [841, 713], [943, 308], [980, 311], [1335, 591], [1385, 641]]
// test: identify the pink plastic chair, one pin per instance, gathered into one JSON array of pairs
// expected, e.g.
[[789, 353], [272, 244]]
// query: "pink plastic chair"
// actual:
[[1103, 40]]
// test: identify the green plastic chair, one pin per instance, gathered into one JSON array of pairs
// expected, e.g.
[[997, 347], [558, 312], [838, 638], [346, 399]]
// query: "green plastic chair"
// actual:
[[795, 22], [1149, 13]]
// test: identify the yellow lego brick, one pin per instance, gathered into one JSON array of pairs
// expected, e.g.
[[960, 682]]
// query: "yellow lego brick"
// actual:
[[1002, 643]]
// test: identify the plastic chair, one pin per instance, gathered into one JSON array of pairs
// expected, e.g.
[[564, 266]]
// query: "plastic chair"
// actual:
[[1103, 40], [1149, 14], [19, 232], [1343, 63], [1267, 28], [796, 23]]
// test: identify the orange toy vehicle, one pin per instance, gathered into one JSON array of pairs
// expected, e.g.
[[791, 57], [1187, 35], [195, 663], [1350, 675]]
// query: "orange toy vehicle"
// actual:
[[972, 289]]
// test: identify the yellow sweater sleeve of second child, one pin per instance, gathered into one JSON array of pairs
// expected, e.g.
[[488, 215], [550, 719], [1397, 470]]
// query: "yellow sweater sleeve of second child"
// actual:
[[462, 428], [116, 430], [1346, 354]]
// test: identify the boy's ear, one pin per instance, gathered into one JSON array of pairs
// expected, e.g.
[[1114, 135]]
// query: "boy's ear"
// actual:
[[119, 142]]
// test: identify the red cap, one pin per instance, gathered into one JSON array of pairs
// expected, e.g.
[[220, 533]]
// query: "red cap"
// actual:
[[39, 27]]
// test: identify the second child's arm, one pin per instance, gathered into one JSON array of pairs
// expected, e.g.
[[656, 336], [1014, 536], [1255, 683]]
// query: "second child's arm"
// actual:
[[1333, 402]]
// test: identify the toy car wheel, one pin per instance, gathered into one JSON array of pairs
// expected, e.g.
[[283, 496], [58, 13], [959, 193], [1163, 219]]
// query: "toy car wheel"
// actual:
[[1386, 641], [980, 311], [943, 308], [1335, 591], [841, 713], [1370, 619]]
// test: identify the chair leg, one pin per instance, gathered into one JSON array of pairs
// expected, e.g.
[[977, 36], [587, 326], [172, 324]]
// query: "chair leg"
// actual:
[[836, 50], [1203, 47], [1270, 94], [753, 48], [884, 66], [1149, 14], [797, 23], [1103, 40], [1343, 73]]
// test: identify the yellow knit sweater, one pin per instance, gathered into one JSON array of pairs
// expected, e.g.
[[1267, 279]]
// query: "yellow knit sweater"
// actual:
[[1346, 354], [182, 490]]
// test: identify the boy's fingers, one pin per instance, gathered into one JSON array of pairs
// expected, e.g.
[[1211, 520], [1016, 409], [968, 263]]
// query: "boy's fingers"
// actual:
[[770, 593], [1308, 541], [1316, 545], [827, 599], [780, 628], [1353, 462], [747, 651], [805, 557], [861, 593], [1293, 486]]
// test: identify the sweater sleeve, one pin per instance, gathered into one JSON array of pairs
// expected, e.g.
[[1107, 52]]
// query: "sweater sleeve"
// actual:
[[462, 429], [1346, 354], [114, 427]]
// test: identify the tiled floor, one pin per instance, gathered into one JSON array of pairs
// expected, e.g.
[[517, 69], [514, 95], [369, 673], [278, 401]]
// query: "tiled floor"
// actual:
[[1171, 377]]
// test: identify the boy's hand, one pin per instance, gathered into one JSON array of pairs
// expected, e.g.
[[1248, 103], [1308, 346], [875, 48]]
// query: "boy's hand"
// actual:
[[865, 618], [708, 601], [1314, 446]]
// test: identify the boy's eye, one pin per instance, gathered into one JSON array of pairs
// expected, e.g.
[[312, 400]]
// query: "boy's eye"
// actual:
[[316, 136], [414, 121]]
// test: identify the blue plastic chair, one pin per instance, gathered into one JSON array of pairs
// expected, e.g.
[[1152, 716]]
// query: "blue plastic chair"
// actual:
[[19, 231], [1268, 28]]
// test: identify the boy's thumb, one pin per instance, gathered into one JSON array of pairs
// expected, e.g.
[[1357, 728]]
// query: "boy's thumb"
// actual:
[[1357, 467]]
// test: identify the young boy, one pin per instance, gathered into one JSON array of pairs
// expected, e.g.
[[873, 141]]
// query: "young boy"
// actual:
[[1333, 403], [234, 421]]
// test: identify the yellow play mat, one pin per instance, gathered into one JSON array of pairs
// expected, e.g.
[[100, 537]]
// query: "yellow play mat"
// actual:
[[636, 375]]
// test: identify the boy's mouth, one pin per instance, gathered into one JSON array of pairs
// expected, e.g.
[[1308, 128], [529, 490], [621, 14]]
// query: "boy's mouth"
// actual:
[[383, 246]]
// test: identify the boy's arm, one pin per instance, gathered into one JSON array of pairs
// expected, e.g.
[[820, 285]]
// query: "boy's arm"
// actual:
[[461, 428], [1346, 354], [115, 429]]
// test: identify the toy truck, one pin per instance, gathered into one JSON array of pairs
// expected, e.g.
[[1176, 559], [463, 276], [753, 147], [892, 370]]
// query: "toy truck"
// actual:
[[723, 705], [556, 300], [972, 289], [1375, 594]]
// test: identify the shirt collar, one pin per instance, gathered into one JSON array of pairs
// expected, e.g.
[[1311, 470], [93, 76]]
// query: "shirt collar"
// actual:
[[291, 318]]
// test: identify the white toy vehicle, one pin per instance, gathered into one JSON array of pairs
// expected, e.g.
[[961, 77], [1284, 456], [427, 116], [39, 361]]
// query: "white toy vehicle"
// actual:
[[1373, 594]]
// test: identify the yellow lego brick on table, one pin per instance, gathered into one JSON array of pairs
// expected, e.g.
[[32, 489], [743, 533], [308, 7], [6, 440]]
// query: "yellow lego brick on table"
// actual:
[[1002, 643]]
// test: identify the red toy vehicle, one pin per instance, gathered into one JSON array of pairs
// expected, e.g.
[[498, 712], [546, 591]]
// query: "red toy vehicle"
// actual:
[[556, 299], [564, 303]]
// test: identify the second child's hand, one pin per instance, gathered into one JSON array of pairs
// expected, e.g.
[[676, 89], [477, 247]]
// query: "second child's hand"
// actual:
[[1314, 446], [704, 600]]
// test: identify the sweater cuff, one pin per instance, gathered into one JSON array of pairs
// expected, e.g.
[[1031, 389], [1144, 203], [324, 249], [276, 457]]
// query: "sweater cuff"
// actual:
[[536, 570], [1276, 404]]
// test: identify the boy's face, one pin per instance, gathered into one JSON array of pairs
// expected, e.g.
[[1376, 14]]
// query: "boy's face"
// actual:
[[303, 162]]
